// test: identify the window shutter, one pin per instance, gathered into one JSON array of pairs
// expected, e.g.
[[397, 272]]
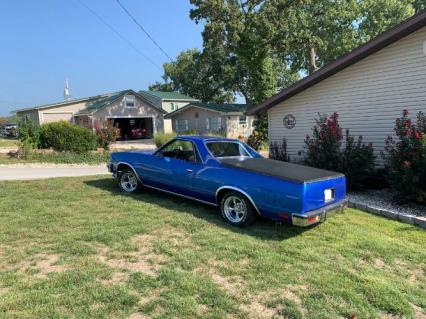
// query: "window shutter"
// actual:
[[177, 125], [186, 125], [207, 124], [219, 123]]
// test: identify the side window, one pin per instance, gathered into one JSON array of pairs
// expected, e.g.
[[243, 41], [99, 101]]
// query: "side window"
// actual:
[[181, 150], [182, 125]]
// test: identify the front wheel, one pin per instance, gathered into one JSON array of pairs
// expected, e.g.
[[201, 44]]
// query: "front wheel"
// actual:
[[128, 181], [237, 209]]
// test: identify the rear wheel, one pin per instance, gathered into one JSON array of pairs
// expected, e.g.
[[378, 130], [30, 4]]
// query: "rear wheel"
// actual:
[[128, 181], [237, 209]]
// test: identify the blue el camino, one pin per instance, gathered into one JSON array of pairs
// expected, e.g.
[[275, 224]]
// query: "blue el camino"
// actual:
[[229, 174]]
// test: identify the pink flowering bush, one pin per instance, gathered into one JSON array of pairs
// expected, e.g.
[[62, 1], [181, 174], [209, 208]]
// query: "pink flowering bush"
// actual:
[[324, 150], [106, 134], [405, 158]]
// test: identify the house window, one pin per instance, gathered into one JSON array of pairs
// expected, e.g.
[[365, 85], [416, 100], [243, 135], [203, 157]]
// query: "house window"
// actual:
[[130, 101], [214, 124], [174, 106], [242, 120], [182, 125]]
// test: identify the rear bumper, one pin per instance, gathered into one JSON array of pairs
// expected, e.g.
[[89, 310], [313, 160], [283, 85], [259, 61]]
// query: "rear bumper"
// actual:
[[318, 215]]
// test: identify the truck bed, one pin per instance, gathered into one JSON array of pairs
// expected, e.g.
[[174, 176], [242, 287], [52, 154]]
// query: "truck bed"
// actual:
[[288, 171]]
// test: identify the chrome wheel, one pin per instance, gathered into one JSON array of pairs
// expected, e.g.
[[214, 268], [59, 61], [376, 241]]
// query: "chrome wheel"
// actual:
[[129, 182], [235, 209]]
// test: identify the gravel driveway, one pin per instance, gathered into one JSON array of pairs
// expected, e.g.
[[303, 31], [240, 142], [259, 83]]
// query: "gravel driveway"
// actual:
[[40, 171]]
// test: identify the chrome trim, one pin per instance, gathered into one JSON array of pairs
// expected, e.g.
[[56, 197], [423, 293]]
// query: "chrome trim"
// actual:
[[302, 220], [163, 190], [227, 141], [242, 192], [177, 194]]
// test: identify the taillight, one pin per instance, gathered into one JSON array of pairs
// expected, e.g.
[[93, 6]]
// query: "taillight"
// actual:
[[314, 219]]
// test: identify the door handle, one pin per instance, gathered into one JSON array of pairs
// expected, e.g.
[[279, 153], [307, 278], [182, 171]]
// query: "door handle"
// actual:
[[189, 170]]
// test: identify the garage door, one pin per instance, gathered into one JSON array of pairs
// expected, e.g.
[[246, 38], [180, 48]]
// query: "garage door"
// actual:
[[55, 117]]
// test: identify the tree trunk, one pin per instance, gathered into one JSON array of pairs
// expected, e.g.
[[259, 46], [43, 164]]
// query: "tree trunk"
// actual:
[[312, 60]]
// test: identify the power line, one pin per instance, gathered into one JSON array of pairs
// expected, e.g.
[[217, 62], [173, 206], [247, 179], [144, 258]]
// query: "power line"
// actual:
[[119, 34], [144, 31]]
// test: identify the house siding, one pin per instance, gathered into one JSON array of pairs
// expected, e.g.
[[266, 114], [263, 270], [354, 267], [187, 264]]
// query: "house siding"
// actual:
[[32, 114], [117, 109], [235, 130], [197, 124], [368, 96], [167, 105]]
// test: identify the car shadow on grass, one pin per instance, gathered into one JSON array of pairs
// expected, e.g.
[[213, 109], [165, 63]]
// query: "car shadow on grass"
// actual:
[[263, 228]]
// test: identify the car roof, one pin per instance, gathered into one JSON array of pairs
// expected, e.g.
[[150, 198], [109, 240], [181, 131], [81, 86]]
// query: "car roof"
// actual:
[[206, 138]]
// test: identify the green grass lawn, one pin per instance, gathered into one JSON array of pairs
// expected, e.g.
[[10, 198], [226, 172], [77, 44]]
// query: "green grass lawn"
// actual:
[[79, 248], [58, 158], [8, 142]]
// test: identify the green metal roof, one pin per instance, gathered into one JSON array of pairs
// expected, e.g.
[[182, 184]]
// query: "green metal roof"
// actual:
[[166, 96], [223, 108], [108, 99], [102, 101]]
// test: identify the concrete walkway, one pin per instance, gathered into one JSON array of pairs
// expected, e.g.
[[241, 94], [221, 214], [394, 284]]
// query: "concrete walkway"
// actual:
[[40, 171]]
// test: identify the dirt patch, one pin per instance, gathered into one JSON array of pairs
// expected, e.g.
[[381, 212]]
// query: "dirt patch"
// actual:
[[116, 278], [47, 264], [378, 263], [4, 290], [145, 258], [41, 264], [138, 315], [135, 261], [257, 310], [418, 312], [232, 287]]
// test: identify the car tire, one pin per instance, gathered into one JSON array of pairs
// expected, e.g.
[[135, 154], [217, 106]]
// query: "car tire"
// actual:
[[237, 210], [128, 181]]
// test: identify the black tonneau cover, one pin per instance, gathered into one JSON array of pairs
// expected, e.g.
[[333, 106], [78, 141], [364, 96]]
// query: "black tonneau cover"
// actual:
[[284, 170]]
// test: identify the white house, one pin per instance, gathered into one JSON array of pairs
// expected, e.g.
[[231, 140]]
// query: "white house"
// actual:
[[368, 87]]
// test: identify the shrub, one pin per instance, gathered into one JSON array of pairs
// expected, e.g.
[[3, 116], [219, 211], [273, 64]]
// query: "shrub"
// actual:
[[357, 162], [106, 133], [64, 136], [25, 149], [162, 138], [405, 159], [279, 152], [260, 125], [29, 132], [255, 140], [323, 148]]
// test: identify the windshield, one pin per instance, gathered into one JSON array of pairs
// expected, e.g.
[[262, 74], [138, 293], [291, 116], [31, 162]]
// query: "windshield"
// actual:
[[227, 149]]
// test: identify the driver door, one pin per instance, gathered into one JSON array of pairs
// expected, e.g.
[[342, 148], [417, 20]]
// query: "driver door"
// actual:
[[173, 167]]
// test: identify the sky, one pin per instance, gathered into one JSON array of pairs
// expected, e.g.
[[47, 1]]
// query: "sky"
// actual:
[[44, 42]]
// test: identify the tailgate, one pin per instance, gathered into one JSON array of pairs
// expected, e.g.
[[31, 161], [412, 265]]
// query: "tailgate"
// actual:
[[321, 193]]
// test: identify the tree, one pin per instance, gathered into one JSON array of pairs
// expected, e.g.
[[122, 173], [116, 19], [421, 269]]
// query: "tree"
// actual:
[[312, 32], [197, 74], [238, 30], [380, 15]]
